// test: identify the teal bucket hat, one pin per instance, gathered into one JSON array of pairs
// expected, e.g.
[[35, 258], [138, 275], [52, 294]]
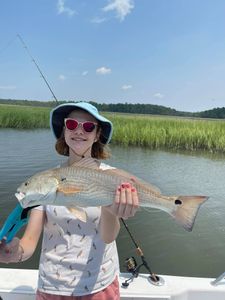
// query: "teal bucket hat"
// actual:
[[59, 113]]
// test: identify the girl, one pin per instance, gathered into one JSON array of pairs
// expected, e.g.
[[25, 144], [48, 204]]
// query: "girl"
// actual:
[[79, 260]]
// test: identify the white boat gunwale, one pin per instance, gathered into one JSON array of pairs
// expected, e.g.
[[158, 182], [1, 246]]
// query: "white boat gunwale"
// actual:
[[20, 284]]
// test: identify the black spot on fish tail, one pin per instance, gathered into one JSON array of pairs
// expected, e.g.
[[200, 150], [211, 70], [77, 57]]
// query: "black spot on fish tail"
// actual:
[[186, 209], [178, 202]]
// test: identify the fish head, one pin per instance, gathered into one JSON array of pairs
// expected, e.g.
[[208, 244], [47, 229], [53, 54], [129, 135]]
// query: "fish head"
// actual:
[[36, 189]]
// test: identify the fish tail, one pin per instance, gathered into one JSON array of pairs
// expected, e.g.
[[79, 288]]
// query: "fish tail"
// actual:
[[186, 210]]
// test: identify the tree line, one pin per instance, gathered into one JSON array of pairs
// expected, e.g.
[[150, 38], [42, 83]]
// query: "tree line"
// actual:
[[132, 108]]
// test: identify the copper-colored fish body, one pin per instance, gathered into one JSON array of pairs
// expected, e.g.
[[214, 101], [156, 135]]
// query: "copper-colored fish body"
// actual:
[[85, 184]]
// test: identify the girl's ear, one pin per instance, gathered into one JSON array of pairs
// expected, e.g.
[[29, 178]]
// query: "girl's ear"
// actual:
[[97, 137]]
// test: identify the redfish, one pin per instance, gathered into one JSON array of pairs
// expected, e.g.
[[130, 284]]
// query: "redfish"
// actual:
[[84, 184]]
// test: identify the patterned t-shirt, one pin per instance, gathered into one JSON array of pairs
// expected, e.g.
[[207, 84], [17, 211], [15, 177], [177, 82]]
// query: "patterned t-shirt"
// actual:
[[74, 259]]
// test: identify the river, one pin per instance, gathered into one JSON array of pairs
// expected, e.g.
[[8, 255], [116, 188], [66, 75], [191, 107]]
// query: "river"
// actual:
[[167, 247]]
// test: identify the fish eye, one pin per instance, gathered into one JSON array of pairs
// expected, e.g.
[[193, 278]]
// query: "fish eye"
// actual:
[[26, 183]]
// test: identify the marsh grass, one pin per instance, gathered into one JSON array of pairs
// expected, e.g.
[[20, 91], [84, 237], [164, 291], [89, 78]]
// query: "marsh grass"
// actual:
[[154, 132], [23, 117], [169, 132]]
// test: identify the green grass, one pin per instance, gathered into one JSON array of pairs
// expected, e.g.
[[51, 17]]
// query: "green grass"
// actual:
[[23, 117], [168, 132], [154, 132]]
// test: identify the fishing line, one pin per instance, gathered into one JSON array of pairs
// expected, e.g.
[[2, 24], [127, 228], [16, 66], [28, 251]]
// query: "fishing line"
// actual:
[[39, 70], [7, 45]]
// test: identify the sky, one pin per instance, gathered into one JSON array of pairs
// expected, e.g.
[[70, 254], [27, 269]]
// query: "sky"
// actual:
[[163, 52]]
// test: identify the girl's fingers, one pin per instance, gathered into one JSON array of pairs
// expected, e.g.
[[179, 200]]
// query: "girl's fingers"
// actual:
[[117, 197], [123, 201], [128, 201]]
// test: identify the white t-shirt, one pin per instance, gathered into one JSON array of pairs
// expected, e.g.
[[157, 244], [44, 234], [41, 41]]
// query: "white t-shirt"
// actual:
[[74, 259]]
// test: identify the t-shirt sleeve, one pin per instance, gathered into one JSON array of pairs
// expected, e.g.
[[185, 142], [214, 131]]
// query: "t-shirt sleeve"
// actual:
[[104, 166], [41, 207]]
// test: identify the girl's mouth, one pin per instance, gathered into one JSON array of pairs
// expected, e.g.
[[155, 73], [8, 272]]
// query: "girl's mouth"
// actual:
[[78, 139]]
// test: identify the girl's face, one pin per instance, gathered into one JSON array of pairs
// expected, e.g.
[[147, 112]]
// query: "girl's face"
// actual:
[[78, 139]]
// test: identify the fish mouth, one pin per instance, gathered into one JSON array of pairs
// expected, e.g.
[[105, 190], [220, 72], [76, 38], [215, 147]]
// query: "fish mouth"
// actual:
[[20, 196]]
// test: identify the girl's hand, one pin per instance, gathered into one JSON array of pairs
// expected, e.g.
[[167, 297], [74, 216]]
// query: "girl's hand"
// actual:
[[11, 252], [126, 201]]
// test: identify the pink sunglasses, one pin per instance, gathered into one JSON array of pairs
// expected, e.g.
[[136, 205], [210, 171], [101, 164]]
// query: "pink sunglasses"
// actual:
[[73, 124]]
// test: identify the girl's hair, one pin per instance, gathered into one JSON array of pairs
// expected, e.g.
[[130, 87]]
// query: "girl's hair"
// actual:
[[99, 150]]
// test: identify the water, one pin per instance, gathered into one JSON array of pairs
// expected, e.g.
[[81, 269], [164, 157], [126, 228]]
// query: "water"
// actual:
[[167, 247]]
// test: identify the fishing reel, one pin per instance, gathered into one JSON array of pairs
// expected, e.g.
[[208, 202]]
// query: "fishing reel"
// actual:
[[131, 267]]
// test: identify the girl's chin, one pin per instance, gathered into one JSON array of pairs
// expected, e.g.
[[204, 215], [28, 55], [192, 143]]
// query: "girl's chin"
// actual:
[[79, 151], [78, 146]]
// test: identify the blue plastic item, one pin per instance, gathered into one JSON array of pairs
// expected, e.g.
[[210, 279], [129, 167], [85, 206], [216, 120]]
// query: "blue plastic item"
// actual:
[[15, 221]]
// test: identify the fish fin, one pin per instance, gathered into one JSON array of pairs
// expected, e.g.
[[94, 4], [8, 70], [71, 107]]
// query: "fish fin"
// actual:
[[186, 210], [87, 163], [149, 210], [67, 190], [132, 179], [79, 213]]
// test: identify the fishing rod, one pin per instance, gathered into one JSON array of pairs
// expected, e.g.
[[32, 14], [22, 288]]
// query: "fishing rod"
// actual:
[[132, 266], [39, 70]]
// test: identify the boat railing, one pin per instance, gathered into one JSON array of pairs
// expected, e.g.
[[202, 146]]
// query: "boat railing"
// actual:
[[218, 280]]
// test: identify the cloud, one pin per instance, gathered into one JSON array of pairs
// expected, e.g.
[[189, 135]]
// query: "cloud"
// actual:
[[61, 8], [121, 7], [7, 87], [62, 77], [98, 20], [84, 73], [158, 95], [103, 71], [126, 87]]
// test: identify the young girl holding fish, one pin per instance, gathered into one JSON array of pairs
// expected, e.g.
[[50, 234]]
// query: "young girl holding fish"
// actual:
[[79, 257]]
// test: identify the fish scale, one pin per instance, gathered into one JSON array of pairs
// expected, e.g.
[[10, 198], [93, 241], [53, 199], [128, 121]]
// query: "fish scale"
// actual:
[[94, 191]]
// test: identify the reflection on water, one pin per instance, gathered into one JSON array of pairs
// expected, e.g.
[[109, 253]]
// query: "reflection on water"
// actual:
[[168, 248]]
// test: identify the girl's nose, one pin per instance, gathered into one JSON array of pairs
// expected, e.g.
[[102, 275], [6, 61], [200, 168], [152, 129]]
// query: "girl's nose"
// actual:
[[79, 128]]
